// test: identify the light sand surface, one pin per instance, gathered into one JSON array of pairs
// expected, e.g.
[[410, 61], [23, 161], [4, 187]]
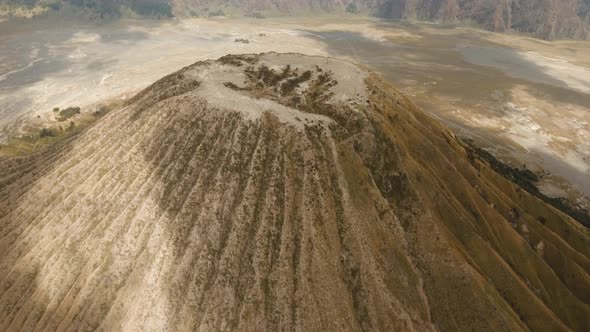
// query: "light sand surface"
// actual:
[[89, 65], [527, 99]]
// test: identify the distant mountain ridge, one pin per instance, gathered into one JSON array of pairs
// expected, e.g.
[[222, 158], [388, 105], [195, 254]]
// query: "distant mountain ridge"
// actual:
[[546, 19]]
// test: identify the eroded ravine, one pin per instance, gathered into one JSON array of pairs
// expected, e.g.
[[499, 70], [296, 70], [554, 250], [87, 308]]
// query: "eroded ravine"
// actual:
[[279, 192]]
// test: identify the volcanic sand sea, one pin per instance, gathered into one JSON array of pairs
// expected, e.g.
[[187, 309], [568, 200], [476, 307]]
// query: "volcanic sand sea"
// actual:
[[529, 104]]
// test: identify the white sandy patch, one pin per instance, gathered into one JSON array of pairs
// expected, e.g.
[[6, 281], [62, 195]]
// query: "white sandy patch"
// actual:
[[34, 53], [5, 76], [83, 38], [105, 78], [561, 142], [483, 121], [527, 132], [576, 77], [78, 54], [556, 141]]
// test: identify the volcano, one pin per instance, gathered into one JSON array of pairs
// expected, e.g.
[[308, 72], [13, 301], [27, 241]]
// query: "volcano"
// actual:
[[279, 192]]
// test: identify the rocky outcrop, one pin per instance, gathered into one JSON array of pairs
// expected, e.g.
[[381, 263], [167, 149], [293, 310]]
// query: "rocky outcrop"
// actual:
[[279, 192], [547, 19]]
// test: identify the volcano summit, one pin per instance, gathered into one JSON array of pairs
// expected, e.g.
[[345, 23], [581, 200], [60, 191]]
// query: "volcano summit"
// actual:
[[279, 192]]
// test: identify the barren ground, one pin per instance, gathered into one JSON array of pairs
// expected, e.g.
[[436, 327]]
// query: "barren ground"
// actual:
[[527, 99]]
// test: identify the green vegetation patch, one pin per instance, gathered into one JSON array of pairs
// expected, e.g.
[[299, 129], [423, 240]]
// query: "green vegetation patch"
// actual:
[[153, 8], [216, 13], [33, 141], [352, 8], [39, 138], [63, 115]]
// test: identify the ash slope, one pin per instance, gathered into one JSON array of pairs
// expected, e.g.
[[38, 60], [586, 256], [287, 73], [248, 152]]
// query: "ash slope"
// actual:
[[279, 192]]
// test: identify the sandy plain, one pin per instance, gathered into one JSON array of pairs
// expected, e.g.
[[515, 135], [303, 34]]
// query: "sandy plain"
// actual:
[[526, 99]]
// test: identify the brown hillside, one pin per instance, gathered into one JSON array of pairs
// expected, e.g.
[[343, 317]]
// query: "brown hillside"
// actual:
[[279, 192]]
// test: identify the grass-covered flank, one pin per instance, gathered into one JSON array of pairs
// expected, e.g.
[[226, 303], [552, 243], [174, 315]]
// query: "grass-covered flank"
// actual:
[[527, 180], [38, 138]]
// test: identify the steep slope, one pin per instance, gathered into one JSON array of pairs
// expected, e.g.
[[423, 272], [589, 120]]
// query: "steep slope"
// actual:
[[546, 19], [279, 192]]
